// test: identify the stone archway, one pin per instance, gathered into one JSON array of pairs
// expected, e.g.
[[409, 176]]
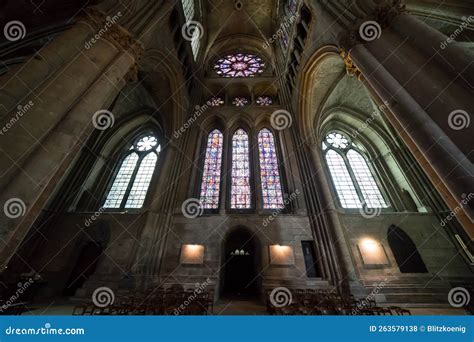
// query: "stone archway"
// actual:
[[241, 265]]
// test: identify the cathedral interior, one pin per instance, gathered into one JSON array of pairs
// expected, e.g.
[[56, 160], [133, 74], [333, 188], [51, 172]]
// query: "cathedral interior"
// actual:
[[236, 157]]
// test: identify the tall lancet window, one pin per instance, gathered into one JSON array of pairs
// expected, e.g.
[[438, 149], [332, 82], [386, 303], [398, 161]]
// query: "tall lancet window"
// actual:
[[240, 188], [133, 178], [211, 176], [269, 171], [353, 180], [192, 29]]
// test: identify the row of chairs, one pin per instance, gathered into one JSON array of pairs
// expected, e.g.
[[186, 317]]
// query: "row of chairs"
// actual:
[[162, 301], [320, 302]]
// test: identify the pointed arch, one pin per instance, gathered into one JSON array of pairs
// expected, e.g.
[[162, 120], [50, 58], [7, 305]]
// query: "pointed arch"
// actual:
[[272, 194], [211, 176], [132, 180], [405, 252], [240, 195]]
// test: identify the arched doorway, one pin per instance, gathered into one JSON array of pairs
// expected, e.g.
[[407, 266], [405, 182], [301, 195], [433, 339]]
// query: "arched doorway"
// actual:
[[240, 276], [89, 253], [405, 252]]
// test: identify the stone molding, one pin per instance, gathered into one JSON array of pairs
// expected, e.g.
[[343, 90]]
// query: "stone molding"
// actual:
[[381, 16], [106, 27]]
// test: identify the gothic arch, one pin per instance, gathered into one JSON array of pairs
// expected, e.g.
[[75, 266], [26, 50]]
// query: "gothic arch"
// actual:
[[405, 251]]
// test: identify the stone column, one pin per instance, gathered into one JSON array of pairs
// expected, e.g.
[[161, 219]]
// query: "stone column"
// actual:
[[399, 62], [67, 82]]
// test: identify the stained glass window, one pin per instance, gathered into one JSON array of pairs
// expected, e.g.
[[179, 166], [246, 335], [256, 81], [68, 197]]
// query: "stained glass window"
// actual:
[[269, 172], [239, 65], [211, 176], [264, 100], [133, 178], [215, 101], [240, 187], [352, 178], [240, 101]]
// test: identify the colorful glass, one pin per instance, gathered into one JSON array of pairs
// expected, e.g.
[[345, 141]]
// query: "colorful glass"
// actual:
[[264, 100], [215, 101], [269, 172], [211, 176], [240, 188], [240, 101], [239, 65]]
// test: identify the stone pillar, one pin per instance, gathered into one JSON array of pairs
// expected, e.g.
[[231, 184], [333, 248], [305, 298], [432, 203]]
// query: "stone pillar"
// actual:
[[86, 67], [399, 61]]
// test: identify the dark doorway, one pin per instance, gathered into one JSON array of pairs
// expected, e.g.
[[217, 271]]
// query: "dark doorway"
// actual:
[[240, 270], [309, 255], [405, 252], [85, 266]]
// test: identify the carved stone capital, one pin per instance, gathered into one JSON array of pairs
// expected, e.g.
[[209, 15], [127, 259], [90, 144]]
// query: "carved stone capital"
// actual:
[[368, 25], [351, 68], [107, 27]]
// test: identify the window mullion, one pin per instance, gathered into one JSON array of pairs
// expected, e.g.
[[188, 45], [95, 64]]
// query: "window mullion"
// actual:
[[354, 179], [132, 180]]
